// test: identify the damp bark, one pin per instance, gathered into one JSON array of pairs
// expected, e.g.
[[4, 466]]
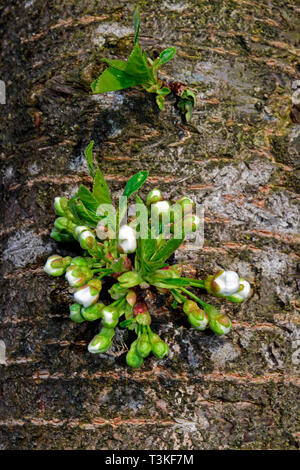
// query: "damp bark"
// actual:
[[238, 157]]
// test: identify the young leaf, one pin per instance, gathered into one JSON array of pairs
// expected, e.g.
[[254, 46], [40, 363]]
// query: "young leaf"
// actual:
[[100, 189], [87, 198], [135, 182], [116, 64], [136, 23], [166, 55], [89, 157], [137, 65], [112, 80], [125, 323], [167, 249], [82, 218]]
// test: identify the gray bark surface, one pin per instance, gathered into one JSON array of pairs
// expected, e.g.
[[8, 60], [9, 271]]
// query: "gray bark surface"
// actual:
[[238, 156]]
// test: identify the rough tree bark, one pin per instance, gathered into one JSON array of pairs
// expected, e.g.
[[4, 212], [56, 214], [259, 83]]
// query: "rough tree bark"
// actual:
[[238, 157]]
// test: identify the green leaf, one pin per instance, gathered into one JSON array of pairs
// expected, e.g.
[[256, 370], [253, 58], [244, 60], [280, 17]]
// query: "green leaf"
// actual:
[[160, 101], [83, 216], [137, 65], [163, 91], [100, 189], [125, 323], [136, 23], [87, 198], [166, 55], [116, 64], [167, 249], [135, 182], [112, 80], [89, 157]]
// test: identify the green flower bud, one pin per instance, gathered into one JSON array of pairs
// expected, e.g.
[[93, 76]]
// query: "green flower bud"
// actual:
[[154, 196], [99, 344], [56, 265], [110, 316], [143, 347], [77, 276], [159, 347], [61, 237], [81, 261], [190, 306], [78, 230], [130, 279], [198, 320], [87, 240], [187, 204], [132, 357], [218, 323], [75, 313], [61, 206], [190, 224], [131, 298], [93, 312], [62, 224], [117, 291]]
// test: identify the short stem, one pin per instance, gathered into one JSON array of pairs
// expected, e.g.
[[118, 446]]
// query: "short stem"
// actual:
[[193, 296]]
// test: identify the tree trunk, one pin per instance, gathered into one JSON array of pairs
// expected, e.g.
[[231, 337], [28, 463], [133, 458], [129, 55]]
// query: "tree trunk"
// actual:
[[238, 157]]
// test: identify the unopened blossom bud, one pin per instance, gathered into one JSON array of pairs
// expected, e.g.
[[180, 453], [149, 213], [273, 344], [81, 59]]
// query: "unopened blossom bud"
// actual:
[[78, 230], [117, 291], [154, 196], [198, 319], [127, 239], [133, 359], [131, 298], [56, 265], [159, 347], [186, 203], [101, 342], [130, 279], [62, 224], [89, 294], [75, 313], [224, 283], [218, 323], [191, 223], [61, 206], [143, 346], [77, 276], [93, 312], [110, 316], [160, 208], [81, 261], [141, 313], [243, 293], [61, 236], [87, 240]]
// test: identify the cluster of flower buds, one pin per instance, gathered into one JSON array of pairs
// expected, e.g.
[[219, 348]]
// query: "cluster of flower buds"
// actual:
[[179, 217], [134, 264], [229, 285], [146, 342]]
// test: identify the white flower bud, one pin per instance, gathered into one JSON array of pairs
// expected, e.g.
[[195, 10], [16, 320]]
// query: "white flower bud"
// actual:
[[243, 292], [57, 268], [160, 208], [127, 239], [226, 283], [86, 296], [78, 230]]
